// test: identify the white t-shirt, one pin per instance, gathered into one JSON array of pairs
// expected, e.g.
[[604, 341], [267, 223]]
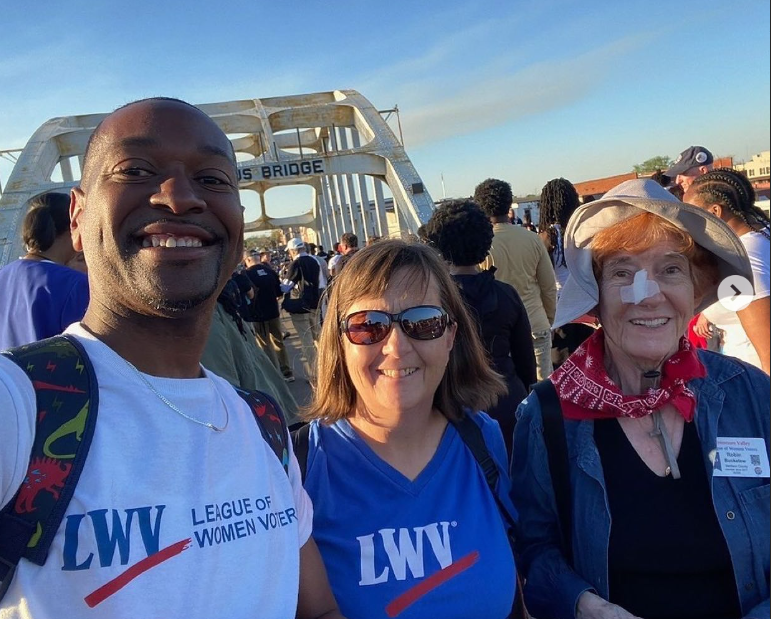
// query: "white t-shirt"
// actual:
[[218, 503], [322, 272], [332, 264], [735, 340]]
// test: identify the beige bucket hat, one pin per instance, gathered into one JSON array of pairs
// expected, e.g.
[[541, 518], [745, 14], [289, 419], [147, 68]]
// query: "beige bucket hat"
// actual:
[[580, 294]]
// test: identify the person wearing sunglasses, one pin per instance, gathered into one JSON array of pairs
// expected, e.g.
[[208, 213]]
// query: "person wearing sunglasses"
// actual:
[[405, 520]]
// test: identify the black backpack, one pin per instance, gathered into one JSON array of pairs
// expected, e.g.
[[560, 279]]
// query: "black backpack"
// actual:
[[67, 401]]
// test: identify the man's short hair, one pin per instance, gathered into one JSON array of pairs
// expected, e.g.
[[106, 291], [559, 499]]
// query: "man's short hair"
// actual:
[[494, 197], [349, 239], [96, 133]]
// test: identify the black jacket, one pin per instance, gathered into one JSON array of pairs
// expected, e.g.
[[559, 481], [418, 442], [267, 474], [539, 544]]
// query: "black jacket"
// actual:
[[267, 289], [505, 330]]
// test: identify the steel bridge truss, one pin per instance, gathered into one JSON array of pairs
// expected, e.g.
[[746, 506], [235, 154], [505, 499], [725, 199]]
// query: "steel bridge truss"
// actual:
[[335, 142]]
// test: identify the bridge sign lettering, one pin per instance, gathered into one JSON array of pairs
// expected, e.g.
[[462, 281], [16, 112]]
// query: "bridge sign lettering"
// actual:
[[282, 170]]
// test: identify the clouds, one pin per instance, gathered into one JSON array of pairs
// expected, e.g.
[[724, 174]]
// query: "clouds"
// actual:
[[478, 100]]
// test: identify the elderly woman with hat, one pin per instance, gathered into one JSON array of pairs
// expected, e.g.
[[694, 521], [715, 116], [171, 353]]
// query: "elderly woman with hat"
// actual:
[[640, 468]]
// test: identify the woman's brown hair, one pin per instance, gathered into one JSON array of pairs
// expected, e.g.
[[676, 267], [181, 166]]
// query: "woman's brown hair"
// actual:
[[468, 382]]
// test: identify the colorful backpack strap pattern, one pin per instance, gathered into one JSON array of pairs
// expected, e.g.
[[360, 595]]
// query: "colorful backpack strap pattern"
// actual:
[[67, 393], [271, 422]]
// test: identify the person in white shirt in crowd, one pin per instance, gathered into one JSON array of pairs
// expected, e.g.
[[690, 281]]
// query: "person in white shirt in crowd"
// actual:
[[176, 453], [745, 334], [349, 244]]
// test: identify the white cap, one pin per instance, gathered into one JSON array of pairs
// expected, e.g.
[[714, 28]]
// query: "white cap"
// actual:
[[295, 244]]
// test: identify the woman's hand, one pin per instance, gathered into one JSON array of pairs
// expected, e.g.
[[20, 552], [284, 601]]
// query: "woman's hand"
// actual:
[[591, 606], [703, 327]]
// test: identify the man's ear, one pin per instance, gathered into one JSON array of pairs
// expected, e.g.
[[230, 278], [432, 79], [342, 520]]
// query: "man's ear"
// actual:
[[716, 210], [77, 206]]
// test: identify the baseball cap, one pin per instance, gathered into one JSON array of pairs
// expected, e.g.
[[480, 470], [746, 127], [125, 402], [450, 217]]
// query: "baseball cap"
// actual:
[[295, 244], [691, 157]]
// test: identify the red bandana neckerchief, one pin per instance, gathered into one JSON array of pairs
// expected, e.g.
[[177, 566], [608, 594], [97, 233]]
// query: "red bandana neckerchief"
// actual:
[[587, 392]]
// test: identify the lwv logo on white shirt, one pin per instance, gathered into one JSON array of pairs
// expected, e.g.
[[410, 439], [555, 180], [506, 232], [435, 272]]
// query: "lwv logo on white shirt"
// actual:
[[404, 549]]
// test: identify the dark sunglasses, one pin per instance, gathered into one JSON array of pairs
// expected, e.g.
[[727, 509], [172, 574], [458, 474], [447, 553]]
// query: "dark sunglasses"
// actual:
[[422, 322]]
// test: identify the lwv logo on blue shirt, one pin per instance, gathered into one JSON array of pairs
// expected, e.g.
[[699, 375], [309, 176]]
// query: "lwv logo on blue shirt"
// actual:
[[404, 549]]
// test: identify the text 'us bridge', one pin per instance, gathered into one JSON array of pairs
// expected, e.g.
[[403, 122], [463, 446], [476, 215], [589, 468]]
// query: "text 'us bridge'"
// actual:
[[335, 142]]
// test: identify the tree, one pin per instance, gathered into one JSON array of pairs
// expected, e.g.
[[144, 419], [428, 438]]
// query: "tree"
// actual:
[[662, 162]]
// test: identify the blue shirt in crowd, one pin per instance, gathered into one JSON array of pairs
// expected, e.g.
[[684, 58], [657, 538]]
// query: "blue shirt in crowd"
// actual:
[[432, 547], [39, 299]]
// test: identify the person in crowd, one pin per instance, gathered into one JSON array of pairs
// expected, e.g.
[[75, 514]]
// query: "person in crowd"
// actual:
[[521, 260], [463, 234], [692, 163], [334, 255], [661, 178], [559, 200], [349, 245], [266, 316], [233, 352], [41, 296], [514, 219], [324, 272], [400, 362], [176, 452], [528, 224], [745, 334], [655, 518], [301, 300], [372, 239]]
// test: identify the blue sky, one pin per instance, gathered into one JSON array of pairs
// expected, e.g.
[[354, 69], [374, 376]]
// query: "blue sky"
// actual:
[[520, 90]]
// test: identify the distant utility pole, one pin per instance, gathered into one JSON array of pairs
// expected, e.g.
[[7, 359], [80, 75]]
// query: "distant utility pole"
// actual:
[[444, 194]]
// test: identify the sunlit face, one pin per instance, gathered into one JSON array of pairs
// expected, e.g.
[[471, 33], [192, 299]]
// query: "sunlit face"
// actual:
[[158, 214], [685, 180], [399, 375], [648, 333]]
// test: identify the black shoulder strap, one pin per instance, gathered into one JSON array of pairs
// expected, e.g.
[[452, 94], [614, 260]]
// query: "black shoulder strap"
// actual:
[[557, 453], [472, 436], [301, 442], [270, 420], [67, 398]]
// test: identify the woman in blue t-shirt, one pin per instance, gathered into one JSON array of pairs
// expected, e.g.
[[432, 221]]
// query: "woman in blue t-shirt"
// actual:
[[42, 297], [403, 515]]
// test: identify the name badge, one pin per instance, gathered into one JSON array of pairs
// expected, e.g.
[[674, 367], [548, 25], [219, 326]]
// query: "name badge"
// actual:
[[741, 457]]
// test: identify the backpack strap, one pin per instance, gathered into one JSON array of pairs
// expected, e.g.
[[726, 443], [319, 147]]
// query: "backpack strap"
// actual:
[[301, 439], [270, 420], [67, 397], [474, 439], [557, 454], [472, 436]]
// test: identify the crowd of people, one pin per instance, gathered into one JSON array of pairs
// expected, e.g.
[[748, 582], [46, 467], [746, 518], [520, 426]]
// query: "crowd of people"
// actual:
[[505, 419]]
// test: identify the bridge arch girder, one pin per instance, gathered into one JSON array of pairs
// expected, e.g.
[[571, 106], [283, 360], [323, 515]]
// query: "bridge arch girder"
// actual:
[[334, 141]]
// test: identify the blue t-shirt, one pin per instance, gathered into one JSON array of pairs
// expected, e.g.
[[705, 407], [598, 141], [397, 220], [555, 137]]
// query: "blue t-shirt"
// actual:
[[432, 547], [39, 299]]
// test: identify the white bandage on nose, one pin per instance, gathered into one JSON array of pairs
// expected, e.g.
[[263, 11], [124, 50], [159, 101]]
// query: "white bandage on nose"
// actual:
[[641, 288]]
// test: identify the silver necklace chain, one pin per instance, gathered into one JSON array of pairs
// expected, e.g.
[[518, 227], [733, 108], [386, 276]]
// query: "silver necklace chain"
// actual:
[[174, 407]]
